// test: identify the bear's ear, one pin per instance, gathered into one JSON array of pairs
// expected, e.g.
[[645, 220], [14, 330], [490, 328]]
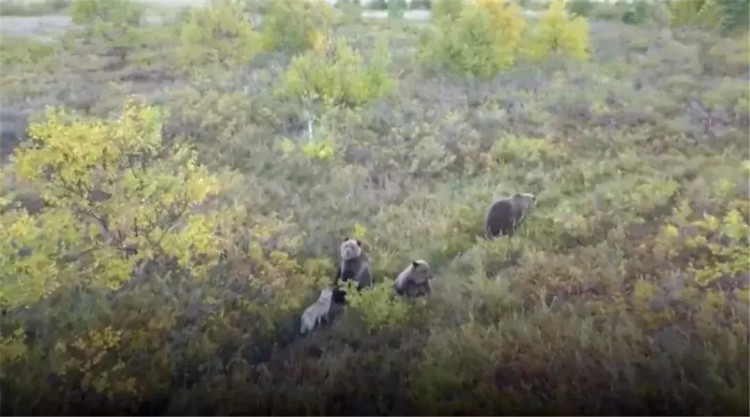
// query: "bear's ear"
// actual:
[[359, 243], [346, 238], [518, 195], [414, 264]]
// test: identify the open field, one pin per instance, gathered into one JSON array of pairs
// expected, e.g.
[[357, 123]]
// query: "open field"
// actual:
[[158, 263]]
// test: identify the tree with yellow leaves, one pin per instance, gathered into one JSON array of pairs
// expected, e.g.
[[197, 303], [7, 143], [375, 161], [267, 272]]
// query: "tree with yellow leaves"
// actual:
[[116, 200], [479, 43], [557, 33]]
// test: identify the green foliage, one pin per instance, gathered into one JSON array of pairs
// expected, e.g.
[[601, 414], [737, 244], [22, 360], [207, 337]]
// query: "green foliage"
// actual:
[[380, 308], [525, 152], [338, 77], [292, 25], [717, 246], [23, 51], [116, 25], [98, 13], [447, 8], [319, 149], [643, 12], [696, 13], [555, 33], [114, 200], [736, 15], [218, 34], [111, 20], [480, 42]]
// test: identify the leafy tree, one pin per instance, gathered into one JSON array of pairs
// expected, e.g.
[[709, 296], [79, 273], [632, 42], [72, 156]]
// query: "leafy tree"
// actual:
[[218, 34], [292, 25], [337, 75], [479, 43], [101, 15], [114, 22], [332, 76], [556, 33], [116, 200]]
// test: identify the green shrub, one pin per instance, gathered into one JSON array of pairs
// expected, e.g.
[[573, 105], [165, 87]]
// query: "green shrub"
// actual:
[[482, 41], [736, 15], [696, 13], [447, 8], [643, 12], [379, 307], [114, 25], [23, 51], [218, 34], [292, 25], [106, 18], [337, 76], [555, 33]]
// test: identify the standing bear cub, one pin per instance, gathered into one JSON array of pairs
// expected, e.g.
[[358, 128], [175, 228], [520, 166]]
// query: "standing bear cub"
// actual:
[[507, 214], [354, 264]]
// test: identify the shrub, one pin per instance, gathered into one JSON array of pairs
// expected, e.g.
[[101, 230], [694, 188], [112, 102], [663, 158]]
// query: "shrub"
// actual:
[[696, 13], [90, 232], [24, 51], [290, 25], [555, 33], [736, 15], [716, 246], [447, 8], [218, 34], [644, 12], [336, 76], [379, 307], [479, 43], [114, 22]]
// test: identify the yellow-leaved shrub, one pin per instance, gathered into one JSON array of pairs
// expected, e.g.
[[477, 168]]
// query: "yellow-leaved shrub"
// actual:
[[116, 198], [557, 33], [481, 41]]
